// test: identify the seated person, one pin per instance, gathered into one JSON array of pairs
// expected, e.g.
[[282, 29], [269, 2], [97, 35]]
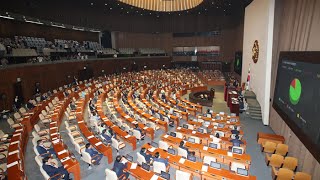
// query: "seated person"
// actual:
[[94, 154], [235, 130], [236, 141], [216, 138], [139, 129], [119, 168], [185, 148], [52, 169], [73, 106], [107, 136], [43, 150], [145, 154], [159, 159], [29, 104]]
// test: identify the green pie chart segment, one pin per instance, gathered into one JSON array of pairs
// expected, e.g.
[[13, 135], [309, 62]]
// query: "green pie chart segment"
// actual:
[[295, 91]]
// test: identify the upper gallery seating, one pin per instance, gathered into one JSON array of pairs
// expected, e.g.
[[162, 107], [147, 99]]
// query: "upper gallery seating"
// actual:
[[151, 51]]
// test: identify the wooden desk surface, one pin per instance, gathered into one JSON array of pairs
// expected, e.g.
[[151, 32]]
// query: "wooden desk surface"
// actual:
[[263, 137]]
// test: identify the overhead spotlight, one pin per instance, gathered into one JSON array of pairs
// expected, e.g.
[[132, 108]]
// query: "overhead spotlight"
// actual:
[[91, 4], [124, 68], [102, 70], [145, 66]]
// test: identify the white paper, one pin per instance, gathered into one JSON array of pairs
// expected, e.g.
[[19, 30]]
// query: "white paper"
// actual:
[[133, 166], [65, 159], [54, 134], [15, 142], [55, 141], [127, 136], [90, 137], [98, 143], [230, 154], [18, 134], [127, 116], [80, 121], [134, 122], [18, 130], [204, 168], [178, 128], [53, 128], [154, 177], [12, 164], [152, 149], [13, 152], [193, 132], [205, 148], [61, 152], [228, 122], [145, 128], [166, 136], [182, 160], [53, 122]]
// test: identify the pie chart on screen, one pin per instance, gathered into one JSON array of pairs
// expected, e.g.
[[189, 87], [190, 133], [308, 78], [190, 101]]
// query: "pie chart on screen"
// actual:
[[295, 91]]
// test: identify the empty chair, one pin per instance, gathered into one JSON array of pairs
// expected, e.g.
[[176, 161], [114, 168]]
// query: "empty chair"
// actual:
[[117, 144], [182, 152], [282, 149], [302, 176], [209, 159], [111, 175], [290, 163], [196, 139], [158, 167], [12, 124], [140, 159], [179, 135], [163, 145], [43, 119], [181, 175], [275, 160], [39, 131], [282, 174], [17, 116], [3, 136], [235, 165], [269, 147], [137, 134]]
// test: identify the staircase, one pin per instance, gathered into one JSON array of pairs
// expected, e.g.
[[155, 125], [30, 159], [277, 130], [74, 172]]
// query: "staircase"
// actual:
[[254, 109]]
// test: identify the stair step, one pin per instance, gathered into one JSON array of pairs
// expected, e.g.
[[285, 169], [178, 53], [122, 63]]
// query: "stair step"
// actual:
[[254, 110], [256, 117], [255, 114]]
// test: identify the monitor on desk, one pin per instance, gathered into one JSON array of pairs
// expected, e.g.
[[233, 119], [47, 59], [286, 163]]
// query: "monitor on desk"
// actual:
[[191, 158], [233, 120], [213, 145], [191, 140], [206, 123], [146, 166], [185, 126], [165, 175], [173, 134], [200, 130], [237, 150], [221, 134], [215, 165], [242, 172], [123, 128], [171, 151], [220, 125], [218, 117], [129, 158], [154, 144]]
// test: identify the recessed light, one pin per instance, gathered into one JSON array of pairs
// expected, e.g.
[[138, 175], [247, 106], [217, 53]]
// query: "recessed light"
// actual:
[[91, 4], [111, 8]]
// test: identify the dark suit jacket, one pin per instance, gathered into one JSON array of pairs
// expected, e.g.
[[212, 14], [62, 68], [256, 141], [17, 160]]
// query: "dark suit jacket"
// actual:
[[236, 142], [165, 161], [41, 150], [118, 168], [91, 152], [51, 171], [235, 132], [146, 156]]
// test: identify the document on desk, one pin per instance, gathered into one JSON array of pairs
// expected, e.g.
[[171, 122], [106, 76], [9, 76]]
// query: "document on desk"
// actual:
[[12, 164], [127, 136], [18, 134], [205, 148], [152, 149], [145, 128], [178, 128], [166, 136], [134, 122], [61, 152], [204, 168], [127, 116], [193, 132], [230, 154], [182, 160], [133, 166], [98, 143], [15, 142], [13, 152], [228, 122], [80, 122], [90, 137], [55, 141], [154, 177], [65, 159]]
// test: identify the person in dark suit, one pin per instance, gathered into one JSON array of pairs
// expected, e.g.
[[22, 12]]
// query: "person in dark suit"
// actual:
[[29, 104], [94, 154], [236, 141], [185, 148], [43, 150], [235, 130], [52, 169], [119, 168], [146, 155], [138, 129], [106, 137], [157, 158], [72, 105]]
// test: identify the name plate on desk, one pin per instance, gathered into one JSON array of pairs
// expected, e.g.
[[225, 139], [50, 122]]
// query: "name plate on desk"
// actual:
[[18, 134], [13, 152], [54, 134], [145, 128], [230, 154], [166, 136], [18, 130], [204, 168], [182, 160], [12, 164], [133, 166], [178, 128], [65, 159], [127, 116], [154, 177], [193, 132], [90, 137], [15, 142], [134, 122], [62, 152], [80, 122], [53, 128], [98, 143], [55, 141], [152, 149], [205, 148], [54, 122]]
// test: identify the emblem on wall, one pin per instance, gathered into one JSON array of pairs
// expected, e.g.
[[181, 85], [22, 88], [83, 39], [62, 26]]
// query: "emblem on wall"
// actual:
[[255, 51]]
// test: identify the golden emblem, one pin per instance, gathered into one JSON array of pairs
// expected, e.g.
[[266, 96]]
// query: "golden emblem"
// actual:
[[255, 51]]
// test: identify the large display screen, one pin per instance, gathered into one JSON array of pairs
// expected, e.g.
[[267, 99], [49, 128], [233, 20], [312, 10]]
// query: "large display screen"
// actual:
[[297, 95]]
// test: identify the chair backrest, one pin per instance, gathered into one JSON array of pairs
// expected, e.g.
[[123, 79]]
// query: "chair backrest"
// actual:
[[269, 147], [115, 143], [137, 134], [38, 159], [190, 126], [140, 159], [196, 139], [179, 135], [36, 127], [163, 145], [302, 176], [111, 175], [22, 110], [282, 149], [86, 156], [182, 152], [235, 165], [276, 160], [76, 146], [181, 175], [290, 163], [209, 159], [10, 121], [35, 135], [1, 133], [16, 115], [284, 174], [158, 167]]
